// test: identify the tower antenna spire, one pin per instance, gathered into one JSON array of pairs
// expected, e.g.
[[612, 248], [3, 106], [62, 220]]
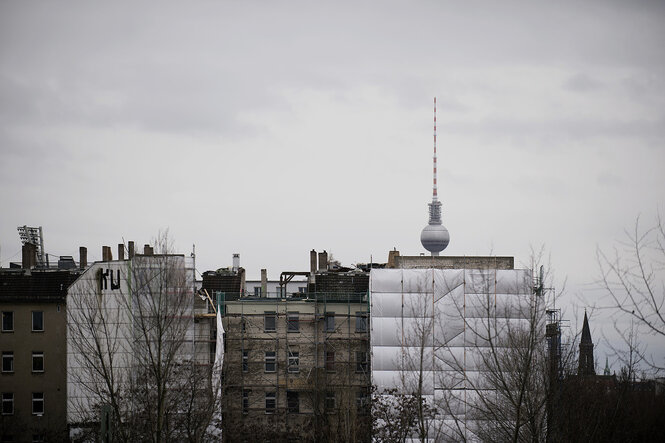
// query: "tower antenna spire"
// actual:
[[435, 197], [435, 236]]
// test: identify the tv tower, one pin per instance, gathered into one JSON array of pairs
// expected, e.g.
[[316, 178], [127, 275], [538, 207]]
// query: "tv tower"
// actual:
[[435, 236]]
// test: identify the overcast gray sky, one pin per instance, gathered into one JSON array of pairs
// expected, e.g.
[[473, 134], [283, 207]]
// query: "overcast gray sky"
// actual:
[[271, 128]]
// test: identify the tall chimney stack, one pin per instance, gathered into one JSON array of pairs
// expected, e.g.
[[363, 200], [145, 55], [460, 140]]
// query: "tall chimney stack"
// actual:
[[264, 283], [121, 251], [83, 257], [107, 255], [312, 261], [323, 261], [130, 247], [29, 256]]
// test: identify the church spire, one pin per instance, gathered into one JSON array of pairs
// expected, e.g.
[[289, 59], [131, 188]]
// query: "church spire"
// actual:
[[586, 364]]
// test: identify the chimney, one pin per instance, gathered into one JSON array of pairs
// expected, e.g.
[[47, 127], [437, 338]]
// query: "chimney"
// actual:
[[147, 250], [130, 247], [107, 255], [83, 257], [264, 283], [236, 262], [392, 255], [29, 256], [323, 261], [121, 251], [312, 261]]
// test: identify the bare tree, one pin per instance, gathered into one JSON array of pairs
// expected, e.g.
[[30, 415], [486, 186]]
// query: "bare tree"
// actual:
[[394, 415], [632, 274], [132, 359], [504, 372]]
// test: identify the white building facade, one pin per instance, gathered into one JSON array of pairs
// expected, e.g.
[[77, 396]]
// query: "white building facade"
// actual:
[[117, 315]]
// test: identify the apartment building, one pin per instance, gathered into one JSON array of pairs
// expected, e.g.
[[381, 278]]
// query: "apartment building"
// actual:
[[33, 382], [297, 366]]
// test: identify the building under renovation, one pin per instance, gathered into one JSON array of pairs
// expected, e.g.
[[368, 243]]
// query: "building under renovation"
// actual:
[[296, 365]]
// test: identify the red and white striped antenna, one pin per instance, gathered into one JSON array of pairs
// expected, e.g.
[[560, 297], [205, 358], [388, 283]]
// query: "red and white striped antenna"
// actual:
[[435, 206], [434, 188]]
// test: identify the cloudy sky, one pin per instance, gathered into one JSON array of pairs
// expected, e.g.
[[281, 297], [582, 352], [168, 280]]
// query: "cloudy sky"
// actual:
[[272, 128]]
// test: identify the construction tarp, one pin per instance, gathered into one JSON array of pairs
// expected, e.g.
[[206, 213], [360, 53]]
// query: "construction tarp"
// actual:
[[431, 330]]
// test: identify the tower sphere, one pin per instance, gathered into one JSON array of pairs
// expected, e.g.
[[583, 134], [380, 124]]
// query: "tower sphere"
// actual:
[[435, 238]]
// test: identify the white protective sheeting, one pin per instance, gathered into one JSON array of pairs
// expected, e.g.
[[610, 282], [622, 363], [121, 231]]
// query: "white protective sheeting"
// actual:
[[434, 326]]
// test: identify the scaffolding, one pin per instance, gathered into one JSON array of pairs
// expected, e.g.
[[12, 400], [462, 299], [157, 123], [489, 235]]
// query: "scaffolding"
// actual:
[[311, 350]]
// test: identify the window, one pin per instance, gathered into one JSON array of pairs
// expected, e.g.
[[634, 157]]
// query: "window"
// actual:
[[271, 402], [37, 438], [293, 322], [361, 361], [257, 291], [245, 401], [7, 321], [302, 289], [271, 361], [37, 362], [293, 402], [330, 361], [362, 402], [245, 361], [329, 322], [38, 321], [294, 361], [7, 361], [361, 322], [269, 321], [330, 401], [38, 403], [7, 403]]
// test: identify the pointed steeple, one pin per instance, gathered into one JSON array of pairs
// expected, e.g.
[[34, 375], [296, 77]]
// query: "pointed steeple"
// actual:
[[607, 367], [586, 363], [586, 332]]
